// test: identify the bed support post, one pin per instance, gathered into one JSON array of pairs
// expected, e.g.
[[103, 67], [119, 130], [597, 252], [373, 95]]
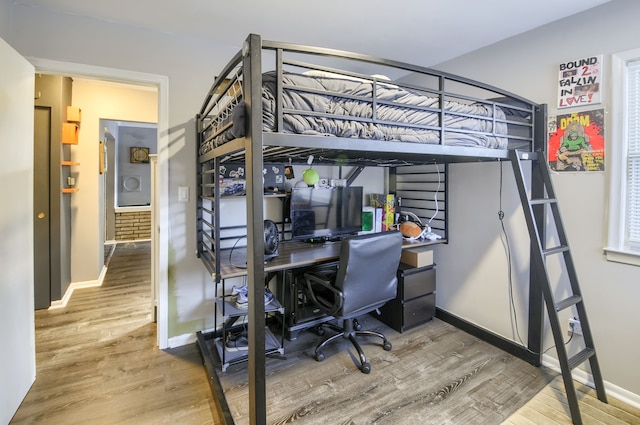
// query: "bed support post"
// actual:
[[536, 301], [252, 56]]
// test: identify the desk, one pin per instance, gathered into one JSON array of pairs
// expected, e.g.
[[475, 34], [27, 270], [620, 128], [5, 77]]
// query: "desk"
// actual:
[[293, 260], [292, 256]]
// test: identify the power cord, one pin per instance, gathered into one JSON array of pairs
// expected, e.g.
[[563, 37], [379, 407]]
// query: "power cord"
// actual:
[[231, 253]]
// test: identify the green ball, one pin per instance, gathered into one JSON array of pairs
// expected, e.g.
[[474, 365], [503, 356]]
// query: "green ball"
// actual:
[[310, 176]]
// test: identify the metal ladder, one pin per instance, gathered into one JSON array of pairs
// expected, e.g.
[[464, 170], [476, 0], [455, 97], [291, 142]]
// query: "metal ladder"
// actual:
[[534, 211]]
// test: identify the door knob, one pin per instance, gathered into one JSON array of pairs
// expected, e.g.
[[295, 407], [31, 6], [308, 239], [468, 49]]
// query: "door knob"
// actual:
[[41, 215]]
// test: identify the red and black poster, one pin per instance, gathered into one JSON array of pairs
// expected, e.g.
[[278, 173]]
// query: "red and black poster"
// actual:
[[576, 141]]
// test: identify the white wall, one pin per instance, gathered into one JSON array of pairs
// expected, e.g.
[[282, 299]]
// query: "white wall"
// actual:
[[17, 356], [97, 101], [527, 65]]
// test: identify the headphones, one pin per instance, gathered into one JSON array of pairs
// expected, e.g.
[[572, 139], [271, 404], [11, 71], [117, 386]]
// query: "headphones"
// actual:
[[413, 229]]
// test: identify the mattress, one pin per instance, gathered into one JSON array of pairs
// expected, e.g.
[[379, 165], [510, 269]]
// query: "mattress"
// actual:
[[336, 106]]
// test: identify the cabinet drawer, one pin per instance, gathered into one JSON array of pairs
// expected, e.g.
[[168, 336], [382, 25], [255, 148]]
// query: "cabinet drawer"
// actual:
[[418, 283], [419, 310]]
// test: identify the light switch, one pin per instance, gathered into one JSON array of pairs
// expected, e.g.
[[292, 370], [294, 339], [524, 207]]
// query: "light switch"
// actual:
[[183, 194]]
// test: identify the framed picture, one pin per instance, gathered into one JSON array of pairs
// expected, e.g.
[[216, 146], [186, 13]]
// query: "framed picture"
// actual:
[[139, 155]]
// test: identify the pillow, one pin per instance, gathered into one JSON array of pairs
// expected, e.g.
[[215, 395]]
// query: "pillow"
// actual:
[[327, 74]]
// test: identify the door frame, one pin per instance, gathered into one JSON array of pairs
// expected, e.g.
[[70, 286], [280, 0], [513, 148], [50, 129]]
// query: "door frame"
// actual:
[[161, 262]]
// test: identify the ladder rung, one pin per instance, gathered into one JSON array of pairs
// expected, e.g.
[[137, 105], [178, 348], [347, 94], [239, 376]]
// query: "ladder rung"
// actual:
[[539, 201], [581, 357], [568, 302], [555, 250]]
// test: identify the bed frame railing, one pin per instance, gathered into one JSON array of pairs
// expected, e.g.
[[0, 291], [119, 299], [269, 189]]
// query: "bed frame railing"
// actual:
[[228, 91]]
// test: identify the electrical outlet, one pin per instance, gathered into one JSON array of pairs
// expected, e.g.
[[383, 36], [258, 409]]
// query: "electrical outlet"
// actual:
[[575, 327]]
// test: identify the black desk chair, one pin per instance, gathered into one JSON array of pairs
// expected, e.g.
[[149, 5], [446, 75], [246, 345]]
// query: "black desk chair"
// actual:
[[364, 281]]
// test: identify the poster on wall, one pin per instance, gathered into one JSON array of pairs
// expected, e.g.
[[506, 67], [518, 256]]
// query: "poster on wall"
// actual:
[[576, 141], [580, 82]]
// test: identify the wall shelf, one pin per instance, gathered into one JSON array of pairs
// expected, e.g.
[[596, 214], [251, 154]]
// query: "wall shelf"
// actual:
[[74, 114], [70, 133]]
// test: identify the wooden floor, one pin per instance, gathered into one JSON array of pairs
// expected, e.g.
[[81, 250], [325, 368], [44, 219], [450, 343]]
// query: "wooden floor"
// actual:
[[97, 361], [435, 374]]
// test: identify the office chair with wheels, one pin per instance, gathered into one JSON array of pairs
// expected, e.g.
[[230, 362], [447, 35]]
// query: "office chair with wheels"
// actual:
[[364, 281]]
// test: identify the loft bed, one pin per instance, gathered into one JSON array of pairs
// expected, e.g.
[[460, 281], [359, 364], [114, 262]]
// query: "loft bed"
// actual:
[[280, 103]]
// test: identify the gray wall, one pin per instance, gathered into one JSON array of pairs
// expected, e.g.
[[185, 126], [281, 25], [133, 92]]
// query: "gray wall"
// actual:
[[527, 65], [5, 21]]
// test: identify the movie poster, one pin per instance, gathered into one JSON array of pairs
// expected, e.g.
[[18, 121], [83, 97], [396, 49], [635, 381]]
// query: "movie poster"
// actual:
[[580, 82], [576, 141]]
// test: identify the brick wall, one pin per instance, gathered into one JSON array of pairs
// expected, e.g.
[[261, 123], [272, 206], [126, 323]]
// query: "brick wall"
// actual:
[[133, 225]]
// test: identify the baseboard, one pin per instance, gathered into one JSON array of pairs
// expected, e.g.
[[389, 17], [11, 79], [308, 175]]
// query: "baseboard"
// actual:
[[585, 378], [180, 340], [492, 338], [62, 303], [132, 241]]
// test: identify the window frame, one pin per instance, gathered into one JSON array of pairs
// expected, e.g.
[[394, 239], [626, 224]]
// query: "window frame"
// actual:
[[618, 250]]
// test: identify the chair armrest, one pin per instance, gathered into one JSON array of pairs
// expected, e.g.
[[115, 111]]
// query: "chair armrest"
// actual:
[[324, 280]]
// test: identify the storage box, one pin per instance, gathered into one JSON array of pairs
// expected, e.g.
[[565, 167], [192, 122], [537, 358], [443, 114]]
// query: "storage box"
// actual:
[[417, 257]]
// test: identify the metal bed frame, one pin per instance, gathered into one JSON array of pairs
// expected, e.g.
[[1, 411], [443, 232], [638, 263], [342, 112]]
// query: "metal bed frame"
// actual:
[[242, 79]]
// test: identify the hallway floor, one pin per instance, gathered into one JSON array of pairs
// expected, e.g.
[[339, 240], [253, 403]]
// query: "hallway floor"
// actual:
[[97, 361]]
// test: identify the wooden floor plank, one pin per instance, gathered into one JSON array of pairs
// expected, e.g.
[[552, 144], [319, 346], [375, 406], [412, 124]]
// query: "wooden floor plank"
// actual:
[[552, 403]]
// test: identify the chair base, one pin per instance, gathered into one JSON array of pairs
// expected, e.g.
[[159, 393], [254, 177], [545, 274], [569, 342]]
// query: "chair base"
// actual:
[[348, 331]]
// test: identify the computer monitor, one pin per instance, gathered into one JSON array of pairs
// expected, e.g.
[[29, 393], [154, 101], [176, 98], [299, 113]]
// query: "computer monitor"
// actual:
[[331, 212]]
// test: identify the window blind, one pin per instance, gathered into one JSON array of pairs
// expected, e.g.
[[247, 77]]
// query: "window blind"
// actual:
[[632, 225]]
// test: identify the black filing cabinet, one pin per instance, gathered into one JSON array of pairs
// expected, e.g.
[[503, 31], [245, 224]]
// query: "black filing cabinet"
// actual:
[[416, 300]]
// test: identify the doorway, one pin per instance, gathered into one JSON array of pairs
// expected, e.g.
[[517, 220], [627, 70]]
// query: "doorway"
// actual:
[[160, 83], [129, 147]]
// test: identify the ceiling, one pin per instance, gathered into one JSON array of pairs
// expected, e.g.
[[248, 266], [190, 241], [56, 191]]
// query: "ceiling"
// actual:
[[424, 32]]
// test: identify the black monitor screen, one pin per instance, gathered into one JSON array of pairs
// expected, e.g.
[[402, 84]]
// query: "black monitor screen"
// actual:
[[325, 212]]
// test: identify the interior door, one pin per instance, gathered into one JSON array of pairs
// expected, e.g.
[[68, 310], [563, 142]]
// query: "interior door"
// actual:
[[41, 203], [17, 355]]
